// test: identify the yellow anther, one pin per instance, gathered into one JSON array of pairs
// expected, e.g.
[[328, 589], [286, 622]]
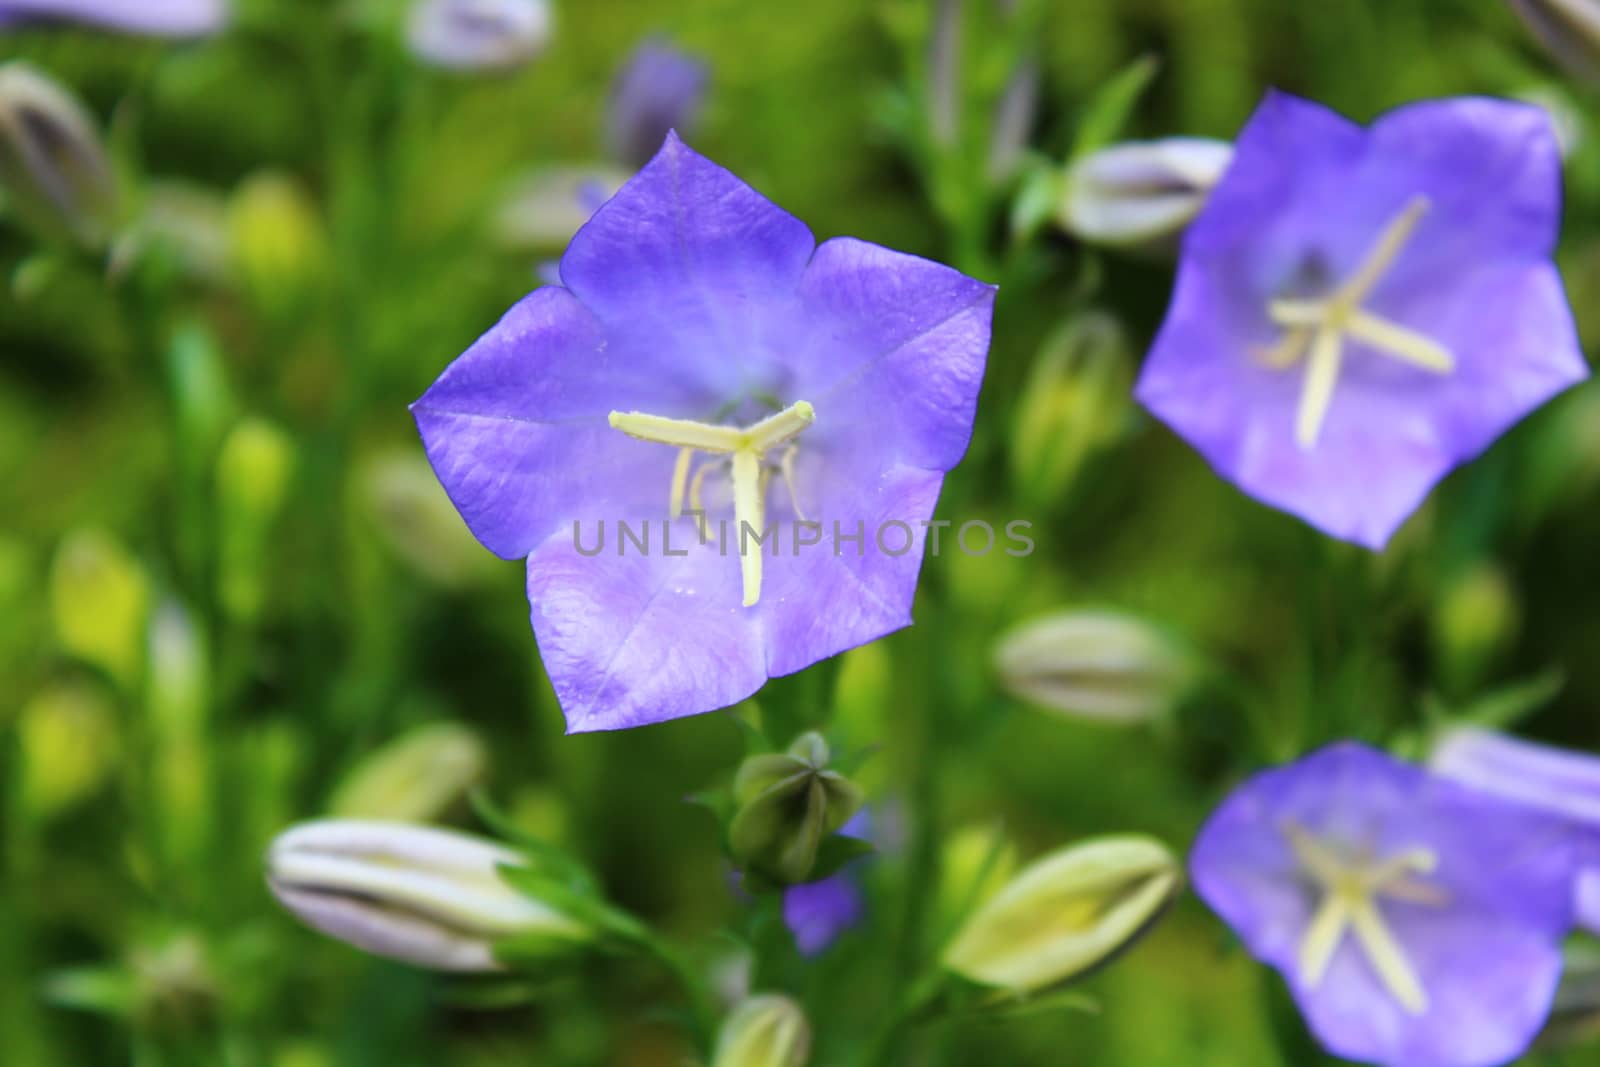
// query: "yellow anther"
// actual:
[[1319, 327], [746, 450], [1350, 891]]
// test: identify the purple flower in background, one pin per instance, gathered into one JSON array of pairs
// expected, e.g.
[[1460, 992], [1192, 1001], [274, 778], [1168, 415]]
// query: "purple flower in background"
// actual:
[[1357, 311], [1418, 922], [164, 18], [659, 89], [1557, 782], [706, 359], [818, 912], [478, 34]]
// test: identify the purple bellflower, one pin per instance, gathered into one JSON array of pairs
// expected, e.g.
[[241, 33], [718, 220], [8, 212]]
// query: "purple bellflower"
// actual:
[[818, 912], [658, 90], [1558, 782], [704, 360], [1418, 922], [1358, 311], [162, 18]]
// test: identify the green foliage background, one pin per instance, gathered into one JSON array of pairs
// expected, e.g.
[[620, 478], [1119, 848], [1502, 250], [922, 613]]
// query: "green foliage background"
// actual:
[[134, 925]]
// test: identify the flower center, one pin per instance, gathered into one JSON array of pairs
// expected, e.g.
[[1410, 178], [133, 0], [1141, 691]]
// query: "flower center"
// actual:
[[1351, 888], [745, 453], [1316, 329]]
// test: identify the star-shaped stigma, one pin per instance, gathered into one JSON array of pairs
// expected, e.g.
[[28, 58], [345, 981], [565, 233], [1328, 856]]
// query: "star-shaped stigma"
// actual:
[[1351, 888], [1316, 329]]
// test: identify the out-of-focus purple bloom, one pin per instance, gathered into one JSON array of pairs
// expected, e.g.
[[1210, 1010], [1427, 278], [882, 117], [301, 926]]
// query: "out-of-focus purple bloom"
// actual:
[[1358, 311], [818, 912], [162, 18], [479, 34], [1418, 922], [706, 355], [659, 89], [1555, 781]]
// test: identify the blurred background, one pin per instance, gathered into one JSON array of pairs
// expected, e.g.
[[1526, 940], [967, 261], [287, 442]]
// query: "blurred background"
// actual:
[[232, 596]]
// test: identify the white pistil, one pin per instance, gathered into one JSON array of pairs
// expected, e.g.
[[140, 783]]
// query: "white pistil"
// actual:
[[1316, 329], [746, 450], [1351, 890]]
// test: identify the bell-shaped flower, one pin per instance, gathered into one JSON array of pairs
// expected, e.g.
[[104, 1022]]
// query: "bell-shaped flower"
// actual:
[[160, 18], [1558, 782], [1358, 311], [761, 422], [1418, 922], [660, 89]]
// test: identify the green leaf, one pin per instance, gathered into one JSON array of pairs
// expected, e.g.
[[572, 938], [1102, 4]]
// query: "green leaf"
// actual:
[[1107, 114], [1038, 194], [546, 857], [1500, 709]]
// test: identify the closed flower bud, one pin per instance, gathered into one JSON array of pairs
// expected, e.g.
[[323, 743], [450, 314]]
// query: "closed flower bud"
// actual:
[[767, 1030], [544, 208], [278, 242], [417, 777], [429, 897], [100, 598], [53, 165], [1141, 192], [413, 516], [788, 805], [659, 89], [1474, 619], [177, 692], [1074, 404], [478, 34], [1568, 29], [67, 738], [1095, 665], [253, 469], [1066, 914], [179, 678]]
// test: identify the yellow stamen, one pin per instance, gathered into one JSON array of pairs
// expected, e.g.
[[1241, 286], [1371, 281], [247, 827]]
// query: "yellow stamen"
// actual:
[[1387, 957], [1322, 374], [749, 513], [1383, 254], [1322, 938], [786, 467], [746, 450], [1350, 892], [680, 475], [1323, 323]]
